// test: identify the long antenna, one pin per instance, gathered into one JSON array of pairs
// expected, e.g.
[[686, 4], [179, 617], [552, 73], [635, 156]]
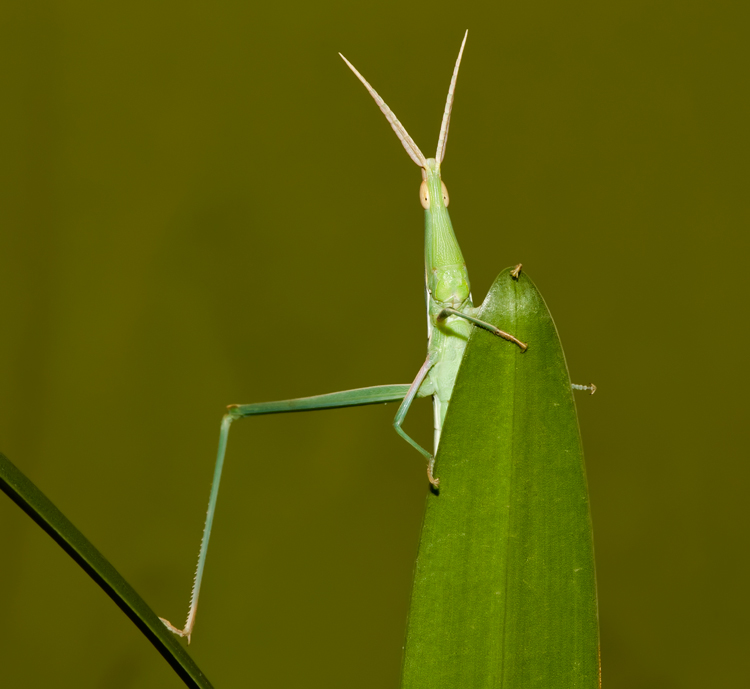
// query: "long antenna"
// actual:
[[411, 148], [443, 138]]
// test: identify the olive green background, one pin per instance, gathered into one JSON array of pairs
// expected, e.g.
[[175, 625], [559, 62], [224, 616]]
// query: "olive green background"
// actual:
[[200, 205]]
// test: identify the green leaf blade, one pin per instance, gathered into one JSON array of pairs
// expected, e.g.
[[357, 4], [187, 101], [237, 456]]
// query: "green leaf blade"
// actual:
[[32, 501], [505, 591]]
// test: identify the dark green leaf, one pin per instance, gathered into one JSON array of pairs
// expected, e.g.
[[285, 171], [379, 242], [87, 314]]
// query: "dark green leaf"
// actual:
[[505, 592]]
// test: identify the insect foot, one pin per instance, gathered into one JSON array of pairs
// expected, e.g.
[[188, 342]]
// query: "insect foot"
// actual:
[[591, 387], [430, 466]]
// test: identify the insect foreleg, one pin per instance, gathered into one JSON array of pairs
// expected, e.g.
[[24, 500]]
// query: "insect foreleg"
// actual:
[[414, 391], [482, 324]]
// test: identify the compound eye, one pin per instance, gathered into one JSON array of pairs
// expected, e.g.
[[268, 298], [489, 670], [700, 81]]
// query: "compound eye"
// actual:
[[424, 195], [446, 200]]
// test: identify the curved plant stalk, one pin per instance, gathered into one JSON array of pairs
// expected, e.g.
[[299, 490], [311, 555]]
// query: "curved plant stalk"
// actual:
[[32, 501], [505, 591]]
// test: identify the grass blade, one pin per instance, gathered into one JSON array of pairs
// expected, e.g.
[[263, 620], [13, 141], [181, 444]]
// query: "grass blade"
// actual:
[[32, 501]]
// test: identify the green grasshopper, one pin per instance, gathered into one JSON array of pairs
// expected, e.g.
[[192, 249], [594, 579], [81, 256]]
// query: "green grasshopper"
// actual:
[[450, 317]]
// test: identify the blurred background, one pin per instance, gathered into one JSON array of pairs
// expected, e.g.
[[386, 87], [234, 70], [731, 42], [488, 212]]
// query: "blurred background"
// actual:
[[202, 206]]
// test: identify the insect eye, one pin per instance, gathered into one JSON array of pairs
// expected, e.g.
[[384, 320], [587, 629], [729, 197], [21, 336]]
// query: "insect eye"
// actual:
[[424, 195], [446, 200]]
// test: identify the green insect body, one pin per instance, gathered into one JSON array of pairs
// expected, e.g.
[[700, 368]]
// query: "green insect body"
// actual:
[[451, 317]]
